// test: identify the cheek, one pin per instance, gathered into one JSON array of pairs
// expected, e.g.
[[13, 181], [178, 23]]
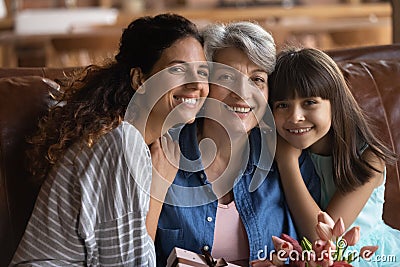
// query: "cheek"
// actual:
[[265, 93], [279, 122], [218, 92], [205, 90], [277, 119], [324, 119]]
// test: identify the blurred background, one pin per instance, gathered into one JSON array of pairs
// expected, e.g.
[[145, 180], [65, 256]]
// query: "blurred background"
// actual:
[[64, 33]]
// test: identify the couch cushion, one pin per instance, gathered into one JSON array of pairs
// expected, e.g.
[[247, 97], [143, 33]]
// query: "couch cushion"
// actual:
[[23, 100], [376, 86]]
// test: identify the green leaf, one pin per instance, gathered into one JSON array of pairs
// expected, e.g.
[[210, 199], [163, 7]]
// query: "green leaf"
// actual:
[[306, 244], [340, 249], [352, 257]]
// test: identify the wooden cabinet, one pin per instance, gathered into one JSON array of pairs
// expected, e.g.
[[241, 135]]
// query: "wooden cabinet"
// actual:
[[324, 26]]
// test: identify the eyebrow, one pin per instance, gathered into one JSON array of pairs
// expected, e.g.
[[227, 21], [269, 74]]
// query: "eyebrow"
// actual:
[[234, 69], [260, 70], [187, 63]]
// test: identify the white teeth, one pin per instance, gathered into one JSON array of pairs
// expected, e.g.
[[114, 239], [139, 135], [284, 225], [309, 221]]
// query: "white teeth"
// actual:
[[300, 130], [190, 101], [238, 109]]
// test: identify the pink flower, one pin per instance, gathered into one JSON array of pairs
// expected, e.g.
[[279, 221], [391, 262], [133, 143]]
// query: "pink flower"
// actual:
[[352, 236], [281, 244], [318, 246], [325, 218], [326, 256], [324, 231], [330, 245], [296, 247], [338, 228], [367, 251], [291, 240]]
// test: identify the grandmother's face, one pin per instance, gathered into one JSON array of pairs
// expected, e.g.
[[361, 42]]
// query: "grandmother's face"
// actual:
[[240, 87]]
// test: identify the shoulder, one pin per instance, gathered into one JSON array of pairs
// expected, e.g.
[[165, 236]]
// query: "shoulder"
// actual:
[[110, 149]]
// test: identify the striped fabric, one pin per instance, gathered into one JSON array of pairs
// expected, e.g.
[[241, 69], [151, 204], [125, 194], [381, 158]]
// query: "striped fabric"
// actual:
[[91, 210]]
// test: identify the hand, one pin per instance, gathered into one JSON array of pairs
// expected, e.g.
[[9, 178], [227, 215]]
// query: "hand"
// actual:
[[285, 152], [283, 245], [262, 263], [165, 155]]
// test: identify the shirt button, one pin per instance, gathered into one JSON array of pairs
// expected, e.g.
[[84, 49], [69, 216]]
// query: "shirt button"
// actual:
[[206, 248], [209, 219], [202, 176]]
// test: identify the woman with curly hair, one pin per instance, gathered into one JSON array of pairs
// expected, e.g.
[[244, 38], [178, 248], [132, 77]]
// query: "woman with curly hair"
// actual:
[[93, 149]]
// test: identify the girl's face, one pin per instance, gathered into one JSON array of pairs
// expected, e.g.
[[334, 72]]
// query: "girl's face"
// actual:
[[182, 72], [304, 122], [239, 87]]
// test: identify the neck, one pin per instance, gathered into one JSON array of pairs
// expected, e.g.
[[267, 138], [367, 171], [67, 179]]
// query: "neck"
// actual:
[[225, 143], [323, 146], [148, 126], [221, 153]]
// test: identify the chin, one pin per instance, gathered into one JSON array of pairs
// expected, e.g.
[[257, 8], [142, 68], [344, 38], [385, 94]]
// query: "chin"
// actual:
[[190, 121]]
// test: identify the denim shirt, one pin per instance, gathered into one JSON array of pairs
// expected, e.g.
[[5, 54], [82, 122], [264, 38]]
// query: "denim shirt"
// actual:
[[187, 219]]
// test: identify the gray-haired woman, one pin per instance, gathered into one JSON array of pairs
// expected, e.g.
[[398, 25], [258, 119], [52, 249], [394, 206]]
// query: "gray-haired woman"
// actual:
[[226, 198]]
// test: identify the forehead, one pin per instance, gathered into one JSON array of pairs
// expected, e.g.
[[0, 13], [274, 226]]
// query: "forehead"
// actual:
[[231, 56], [184, 49], [238, 59]]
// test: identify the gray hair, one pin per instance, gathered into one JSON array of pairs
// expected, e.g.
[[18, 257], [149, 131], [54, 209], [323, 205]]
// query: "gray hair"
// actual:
[[249, 37]]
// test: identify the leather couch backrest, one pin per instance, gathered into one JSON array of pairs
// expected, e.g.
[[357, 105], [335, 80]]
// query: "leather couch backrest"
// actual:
[[373, 74], [24, 98]]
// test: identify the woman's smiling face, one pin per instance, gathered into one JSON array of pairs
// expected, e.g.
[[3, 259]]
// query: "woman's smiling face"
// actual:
[[182, 72], [240, 87]]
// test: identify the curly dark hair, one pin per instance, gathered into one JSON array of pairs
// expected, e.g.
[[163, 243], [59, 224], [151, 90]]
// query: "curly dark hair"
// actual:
[[93, 101]]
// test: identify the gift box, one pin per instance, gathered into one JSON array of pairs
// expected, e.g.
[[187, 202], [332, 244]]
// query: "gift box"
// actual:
[[185, 258]]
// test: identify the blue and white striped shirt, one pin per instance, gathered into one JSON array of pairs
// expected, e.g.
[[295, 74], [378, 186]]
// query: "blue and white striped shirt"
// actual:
[[92, 208]]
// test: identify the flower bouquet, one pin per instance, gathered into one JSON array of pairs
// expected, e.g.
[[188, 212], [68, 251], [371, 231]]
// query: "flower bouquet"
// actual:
[[329, 250]]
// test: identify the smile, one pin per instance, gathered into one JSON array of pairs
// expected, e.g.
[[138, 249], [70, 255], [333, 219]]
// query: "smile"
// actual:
[[186, 100], [299, 131], [238, 109]]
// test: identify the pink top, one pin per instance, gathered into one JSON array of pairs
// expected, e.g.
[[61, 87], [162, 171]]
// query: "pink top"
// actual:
[[230, 238]]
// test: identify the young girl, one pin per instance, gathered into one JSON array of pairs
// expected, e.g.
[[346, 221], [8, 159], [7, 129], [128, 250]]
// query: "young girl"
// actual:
[[314, 109]]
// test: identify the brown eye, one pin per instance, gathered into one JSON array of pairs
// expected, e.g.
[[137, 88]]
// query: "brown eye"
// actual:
[[280, 105]]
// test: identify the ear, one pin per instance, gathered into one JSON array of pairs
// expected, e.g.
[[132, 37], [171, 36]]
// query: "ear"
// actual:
[[137, 78]]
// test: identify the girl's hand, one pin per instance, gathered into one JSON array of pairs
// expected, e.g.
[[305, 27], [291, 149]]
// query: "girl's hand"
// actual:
[[285, 152], [165, 155]]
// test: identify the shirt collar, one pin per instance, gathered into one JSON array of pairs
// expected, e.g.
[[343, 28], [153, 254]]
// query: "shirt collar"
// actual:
[[262, 148], [259, 157]]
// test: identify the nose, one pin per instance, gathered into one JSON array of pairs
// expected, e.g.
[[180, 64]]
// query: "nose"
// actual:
[[194, 80], [296, 115], [196, 86], [243, 89]]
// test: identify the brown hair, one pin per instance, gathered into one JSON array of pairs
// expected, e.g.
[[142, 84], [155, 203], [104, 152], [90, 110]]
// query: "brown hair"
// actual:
[[310, 72]]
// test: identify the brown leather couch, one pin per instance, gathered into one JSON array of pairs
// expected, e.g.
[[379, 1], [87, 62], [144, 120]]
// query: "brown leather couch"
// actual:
[[373, 73]]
